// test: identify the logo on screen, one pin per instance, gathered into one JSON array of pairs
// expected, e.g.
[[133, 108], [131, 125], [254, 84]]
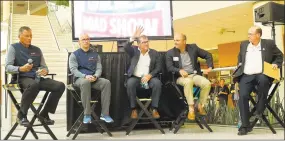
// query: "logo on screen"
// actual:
[[119, 19], [118, 7]]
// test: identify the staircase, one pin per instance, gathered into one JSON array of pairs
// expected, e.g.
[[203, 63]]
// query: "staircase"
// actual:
[[55, 57], [63, 33]]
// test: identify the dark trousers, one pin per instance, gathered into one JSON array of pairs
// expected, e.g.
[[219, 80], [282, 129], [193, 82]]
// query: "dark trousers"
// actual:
[[134, 82], [223, 99], [247, 83], [32, 88]]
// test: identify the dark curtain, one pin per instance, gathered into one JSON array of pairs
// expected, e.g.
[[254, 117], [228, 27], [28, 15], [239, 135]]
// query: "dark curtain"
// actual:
[[114, 67]]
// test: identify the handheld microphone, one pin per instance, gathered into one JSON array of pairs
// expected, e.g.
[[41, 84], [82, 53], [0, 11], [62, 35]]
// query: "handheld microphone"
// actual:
[[239, 65], [30, 61]]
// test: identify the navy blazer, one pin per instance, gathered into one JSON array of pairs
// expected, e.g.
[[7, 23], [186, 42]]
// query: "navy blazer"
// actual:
[[134, 53], [269, 51], [194, 52]]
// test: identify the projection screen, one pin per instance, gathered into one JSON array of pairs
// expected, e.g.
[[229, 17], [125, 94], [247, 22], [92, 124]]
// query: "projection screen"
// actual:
[[117, 20]]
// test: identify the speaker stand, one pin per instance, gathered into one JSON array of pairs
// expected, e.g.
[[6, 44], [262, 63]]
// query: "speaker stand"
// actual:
[[273, 31]]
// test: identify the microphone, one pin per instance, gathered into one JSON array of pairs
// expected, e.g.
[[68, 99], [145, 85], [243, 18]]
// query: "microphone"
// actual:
[[239, 65], [30, 61]]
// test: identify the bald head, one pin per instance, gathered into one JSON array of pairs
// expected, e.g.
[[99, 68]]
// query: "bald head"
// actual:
[[84, 41], [257, 29], [180, 35], [180, 40], [83, 36], [254, 34]]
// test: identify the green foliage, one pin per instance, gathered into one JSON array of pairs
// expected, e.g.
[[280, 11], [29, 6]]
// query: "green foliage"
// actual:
[[230, 116], [62, 2]]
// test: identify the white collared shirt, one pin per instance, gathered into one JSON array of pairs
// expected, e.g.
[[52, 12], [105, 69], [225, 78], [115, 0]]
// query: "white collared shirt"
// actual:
[[142, 67], [253, 59]]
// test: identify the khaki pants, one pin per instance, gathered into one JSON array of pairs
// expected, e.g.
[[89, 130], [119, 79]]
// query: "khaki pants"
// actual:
[[199, 81]]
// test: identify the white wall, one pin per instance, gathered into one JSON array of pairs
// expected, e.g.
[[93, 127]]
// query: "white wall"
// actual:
[[4, 36], [64, 14], [182, 9]]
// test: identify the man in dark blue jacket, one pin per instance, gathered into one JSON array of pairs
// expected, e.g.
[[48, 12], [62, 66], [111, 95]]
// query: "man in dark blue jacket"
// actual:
[[17, 62], [85, 65], [144, 68]]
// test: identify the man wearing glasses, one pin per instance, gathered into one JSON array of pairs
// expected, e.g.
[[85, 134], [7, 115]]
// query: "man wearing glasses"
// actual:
[[143, 71], [252, 55], [85, 65]]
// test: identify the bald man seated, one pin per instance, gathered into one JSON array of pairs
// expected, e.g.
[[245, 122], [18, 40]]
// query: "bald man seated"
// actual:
[[85, 65], [183, 60], [252, 55]]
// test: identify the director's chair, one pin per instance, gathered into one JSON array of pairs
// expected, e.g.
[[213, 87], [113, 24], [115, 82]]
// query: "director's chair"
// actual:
[[274, 85], [144, 104], [13, 86], [180, 120], [78, 124]]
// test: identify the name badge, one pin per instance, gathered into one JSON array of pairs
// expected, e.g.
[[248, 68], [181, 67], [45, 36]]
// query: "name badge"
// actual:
[[34, 54], [91, 59], [175, 58]]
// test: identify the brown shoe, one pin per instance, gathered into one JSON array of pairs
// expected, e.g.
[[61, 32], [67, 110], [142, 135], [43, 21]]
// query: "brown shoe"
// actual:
[[191, 115], [155, 114], [201, 110], [134, 114]]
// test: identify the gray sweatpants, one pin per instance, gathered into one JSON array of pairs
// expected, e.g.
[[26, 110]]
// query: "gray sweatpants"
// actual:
[[101, 84]]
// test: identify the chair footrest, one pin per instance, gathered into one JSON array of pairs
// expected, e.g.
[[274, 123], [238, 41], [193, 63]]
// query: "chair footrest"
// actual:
[[144, 99], [41, 125], [94, 121], [145, 118], [16, 136], [41, 132]]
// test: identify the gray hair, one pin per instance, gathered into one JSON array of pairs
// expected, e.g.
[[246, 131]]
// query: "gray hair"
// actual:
[[22, 29], [141, 37]]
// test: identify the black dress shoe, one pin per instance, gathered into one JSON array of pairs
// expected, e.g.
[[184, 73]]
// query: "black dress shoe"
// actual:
[[242, 131], [46, 119], [23, 121], [249, 129]]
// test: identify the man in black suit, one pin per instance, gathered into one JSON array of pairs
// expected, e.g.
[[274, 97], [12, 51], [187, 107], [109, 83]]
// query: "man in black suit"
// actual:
[[250, 74], [183, 60], [144, 68]]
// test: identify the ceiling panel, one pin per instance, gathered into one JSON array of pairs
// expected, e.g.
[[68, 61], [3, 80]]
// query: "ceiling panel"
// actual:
[[214, 27]]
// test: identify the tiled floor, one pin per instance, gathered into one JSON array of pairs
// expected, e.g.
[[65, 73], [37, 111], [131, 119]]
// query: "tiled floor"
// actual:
[[190, 131]]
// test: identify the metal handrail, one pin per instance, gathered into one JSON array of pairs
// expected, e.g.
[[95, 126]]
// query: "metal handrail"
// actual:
[[55, 15], [52, 29], [60, 26]]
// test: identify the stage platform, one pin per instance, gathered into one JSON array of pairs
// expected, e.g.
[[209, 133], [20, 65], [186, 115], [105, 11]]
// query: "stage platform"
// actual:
[[189, 131]]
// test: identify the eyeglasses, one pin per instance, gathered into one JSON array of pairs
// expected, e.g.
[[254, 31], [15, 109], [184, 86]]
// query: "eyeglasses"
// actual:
[[85, 40], [251, 34], [145, 42]]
